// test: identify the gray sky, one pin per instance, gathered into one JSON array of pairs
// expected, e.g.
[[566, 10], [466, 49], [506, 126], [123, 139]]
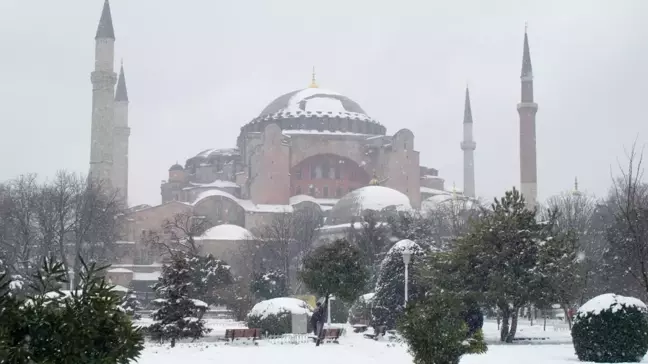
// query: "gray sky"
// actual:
[[197, 72]]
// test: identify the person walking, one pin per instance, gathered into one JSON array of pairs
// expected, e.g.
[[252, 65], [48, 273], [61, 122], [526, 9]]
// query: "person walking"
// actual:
[[317, 321]]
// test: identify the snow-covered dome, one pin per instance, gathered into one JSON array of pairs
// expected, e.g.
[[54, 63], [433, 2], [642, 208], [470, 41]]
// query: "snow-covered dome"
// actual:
[[376, 198], [277, 305], [226, 232], [442, 200], [313, 100]]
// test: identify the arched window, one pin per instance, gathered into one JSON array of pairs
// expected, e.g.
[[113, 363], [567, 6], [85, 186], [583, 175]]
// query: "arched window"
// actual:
[[326, 169], [318, 172]]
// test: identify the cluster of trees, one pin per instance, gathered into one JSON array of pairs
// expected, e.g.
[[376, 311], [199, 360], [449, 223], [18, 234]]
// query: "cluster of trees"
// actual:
[[69, 218]]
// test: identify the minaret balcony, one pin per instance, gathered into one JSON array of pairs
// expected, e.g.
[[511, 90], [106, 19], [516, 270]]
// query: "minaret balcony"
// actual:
[[527, 105], [468, 145]]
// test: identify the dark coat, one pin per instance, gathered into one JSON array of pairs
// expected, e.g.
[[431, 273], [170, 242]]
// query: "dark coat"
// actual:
[[474, 319]]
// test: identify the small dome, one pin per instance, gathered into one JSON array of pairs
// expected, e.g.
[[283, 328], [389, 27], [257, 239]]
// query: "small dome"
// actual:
[[226, 232], [176, 167], [376, 198]]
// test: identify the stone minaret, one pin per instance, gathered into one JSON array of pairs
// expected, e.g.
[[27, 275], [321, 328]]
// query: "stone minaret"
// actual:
[[527, 110], [103, 93], [468, 146], [121, 133]]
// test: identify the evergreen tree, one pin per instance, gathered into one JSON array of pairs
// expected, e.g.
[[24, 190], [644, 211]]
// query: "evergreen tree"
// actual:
[[335, 269], [209, 278], [269, 285], [86, 326], [436, 333], [498, 258], [130, 304], [389, 300], [179, 316]]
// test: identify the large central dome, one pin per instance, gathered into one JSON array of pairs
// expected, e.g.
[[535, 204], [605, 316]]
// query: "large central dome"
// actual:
[[315, 100], [314, 109]]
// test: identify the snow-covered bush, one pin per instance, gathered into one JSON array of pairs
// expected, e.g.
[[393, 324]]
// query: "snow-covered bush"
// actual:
[[269, 285], [435, 331], [390, 288], [611, 329], [274, 316], [130, 304]]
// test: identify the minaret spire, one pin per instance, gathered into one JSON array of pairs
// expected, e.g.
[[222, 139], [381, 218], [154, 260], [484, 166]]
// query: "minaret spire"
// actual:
[[105, 29], [122, 92], [103, 80], [527, 110], [313, 80], [468, 146]]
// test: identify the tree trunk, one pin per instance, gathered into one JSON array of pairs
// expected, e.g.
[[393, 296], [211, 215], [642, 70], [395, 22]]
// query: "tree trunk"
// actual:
[[567, 318], [504, 330], [514, 321]]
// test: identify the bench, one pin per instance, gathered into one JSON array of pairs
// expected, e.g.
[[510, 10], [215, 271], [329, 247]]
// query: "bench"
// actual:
[[330, 335], [246, 335], [360, 328], [378, 332]]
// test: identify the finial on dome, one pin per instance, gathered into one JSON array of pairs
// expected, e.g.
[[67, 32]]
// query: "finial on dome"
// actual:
[[313, 80]]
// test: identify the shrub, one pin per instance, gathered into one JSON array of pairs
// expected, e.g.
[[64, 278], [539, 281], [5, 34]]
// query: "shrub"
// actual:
[[436, 332], [611, 329], [269, 285], [274, 316], [361, 310]]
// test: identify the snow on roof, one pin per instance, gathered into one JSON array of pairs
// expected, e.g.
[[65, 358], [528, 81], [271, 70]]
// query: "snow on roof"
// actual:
[[123, 242], [609, 301], [346, 226], [368, 297], [375, 198], [226, 232], [140, 276], [245, 204], [119, 288], [434, 191], [119, 270], [217, 183], [277, 305], [318, 132], [224, 152]]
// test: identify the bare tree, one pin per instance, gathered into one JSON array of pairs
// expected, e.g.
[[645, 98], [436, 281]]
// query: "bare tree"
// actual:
[[178, 233], [628, 235], [69, 217], [287, 238]]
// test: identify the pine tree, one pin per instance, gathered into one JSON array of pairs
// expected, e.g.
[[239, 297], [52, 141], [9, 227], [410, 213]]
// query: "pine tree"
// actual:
[[498, 258], [372, 237], [269, 285], [389, 299], [130, 304], [209, 278], [179, 316], [86, 326]]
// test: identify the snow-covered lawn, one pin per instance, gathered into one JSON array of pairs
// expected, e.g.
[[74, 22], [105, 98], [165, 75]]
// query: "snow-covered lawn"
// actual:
[[353, 348]]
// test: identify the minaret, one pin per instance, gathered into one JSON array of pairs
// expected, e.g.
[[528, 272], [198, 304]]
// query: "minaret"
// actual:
[[121, 133], [103, 93], [527, 110], [468, 146]]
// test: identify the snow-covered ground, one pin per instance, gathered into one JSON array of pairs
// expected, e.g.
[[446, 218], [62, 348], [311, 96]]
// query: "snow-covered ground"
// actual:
[[353, 348]]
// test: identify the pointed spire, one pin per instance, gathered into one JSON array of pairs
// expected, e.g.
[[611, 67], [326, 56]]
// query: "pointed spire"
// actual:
[[527, 70], [122, 93], [313, 81], [105, 29], [467, 109]]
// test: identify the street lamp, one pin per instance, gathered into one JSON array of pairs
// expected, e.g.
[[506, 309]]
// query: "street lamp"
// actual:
[[407, 255], [328, 309]]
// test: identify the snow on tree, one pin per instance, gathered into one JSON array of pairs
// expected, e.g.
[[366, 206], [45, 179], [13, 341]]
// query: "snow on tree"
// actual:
[[335, 269], [209, 278], [389, 299], [130, 304], [271, 284], [372, 237], [84, 326], [498, 258], [179, 316]]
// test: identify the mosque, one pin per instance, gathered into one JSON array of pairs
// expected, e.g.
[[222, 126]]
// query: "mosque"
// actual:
[[308, 149]]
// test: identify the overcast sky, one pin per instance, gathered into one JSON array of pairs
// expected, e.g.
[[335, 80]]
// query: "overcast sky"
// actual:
[[198, 70]]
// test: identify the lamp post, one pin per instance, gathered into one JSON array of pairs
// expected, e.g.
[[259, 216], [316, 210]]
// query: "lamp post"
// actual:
[[407, 255], [328, 309]]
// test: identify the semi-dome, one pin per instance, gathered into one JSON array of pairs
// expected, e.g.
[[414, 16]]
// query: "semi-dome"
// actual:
[[376, 198], [313, 100]]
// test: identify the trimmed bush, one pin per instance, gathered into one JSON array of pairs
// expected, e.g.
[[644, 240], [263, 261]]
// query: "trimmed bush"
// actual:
[[611, 329], [274, 316], [435, 331]]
